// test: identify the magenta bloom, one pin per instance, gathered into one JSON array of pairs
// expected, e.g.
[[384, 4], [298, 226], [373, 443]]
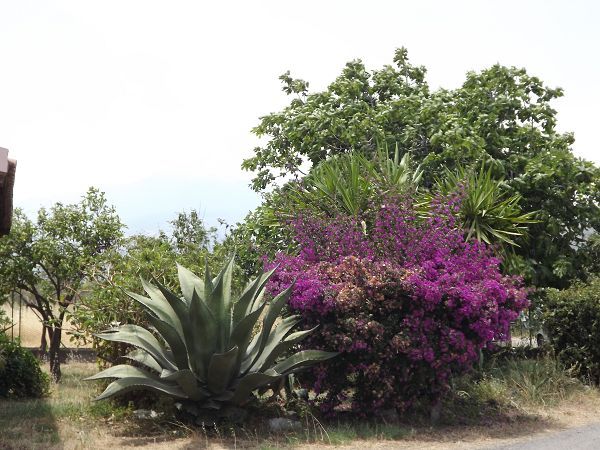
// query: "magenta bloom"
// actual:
[[408, 304]]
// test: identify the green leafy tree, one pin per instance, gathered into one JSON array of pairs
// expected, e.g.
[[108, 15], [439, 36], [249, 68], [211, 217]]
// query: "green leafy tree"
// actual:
[[51, 259], [187, 240], [501, 117], [190, 236]]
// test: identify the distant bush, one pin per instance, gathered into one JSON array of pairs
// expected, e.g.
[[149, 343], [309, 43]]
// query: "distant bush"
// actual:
[[572, 318], [406, 301], [20, 372]]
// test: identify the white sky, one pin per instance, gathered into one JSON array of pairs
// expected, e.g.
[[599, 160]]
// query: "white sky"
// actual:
[[153, 101]]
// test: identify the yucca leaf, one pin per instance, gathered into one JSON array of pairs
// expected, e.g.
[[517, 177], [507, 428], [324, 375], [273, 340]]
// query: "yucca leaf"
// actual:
[[127, 384]]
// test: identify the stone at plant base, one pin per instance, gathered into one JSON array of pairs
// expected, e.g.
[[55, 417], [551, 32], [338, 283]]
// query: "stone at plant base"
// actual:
[[281, 425], [301, 393], [291, 414], [146, 414]]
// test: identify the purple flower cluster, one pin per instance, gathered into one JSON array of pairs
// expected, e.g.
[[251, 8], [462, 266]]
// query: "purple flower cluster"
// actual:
[[405, 300]]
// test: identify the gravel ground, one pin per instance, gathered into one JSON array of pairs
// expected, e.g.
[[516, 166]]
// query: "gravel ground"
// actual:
[[583, 438]]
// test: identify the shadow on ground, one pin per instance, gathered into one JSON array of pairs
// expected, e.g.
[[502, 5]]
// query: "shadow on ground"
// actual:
[[27, 425]]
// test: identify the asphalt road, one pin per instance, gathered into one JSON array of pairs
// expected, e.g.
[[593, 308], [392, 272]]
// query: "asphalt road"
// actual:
[[584, 438]]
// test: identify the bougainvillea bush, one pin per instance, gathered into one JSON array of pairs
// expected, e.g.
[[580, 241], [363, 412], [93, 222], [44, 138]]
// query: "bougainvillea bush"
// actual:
[[406, 301]]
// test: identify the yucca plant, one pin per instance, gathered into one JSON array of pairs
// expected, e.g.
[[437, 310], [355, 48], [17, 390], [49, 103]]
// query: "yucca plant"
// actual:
[[203, 350], [349, 183], [488, 212]]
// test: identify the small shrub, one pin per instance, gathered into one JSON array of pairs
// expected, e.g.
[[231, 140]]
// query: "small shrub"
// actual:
[[541, 381], [572, 319], [20, 372]]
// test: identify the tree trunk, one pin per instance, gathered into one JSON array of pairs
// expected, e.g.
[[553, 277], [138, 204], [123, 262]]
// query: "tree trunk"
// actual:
[[44, 342], [54, 352]]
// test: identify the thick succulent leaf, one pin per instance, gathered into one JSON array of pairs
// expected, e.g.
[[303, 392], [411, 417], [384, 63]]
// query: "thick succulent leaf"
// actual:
[[221, 370], [188, 383], [211, 404], [269, 357], [249, 357], [242, 333], [275, 308], [302, 359], [127, 384], [204, 331], [173, 339], [219, 302], [240, 307], [249, 301], [275, 337], [182, 311], [188, 281], [251, 382], [158, 296], [260, 292], [227, 276], [224, 397], [143, 357], [160, 309], [141, 338], [121, 371], [208, 283]]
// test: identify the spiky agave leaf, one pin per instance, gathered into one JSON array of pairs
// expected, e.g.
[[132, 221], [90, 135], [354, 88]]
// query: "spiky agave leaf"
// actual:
[[208, 354]]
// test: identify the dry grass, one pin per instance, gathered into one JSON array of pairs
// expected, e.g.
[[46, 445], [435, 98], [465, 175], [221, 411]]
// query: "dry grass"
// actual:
[[69, 420]]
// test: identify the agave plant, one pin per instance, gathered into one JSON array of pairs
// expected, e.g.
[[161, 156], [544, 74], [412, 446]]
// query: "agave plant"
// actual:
[[203, 349]]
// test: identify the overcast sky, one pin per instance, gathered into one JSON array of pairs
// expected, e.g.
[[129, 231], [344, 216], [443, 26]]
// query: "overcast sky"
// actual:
[[153, 101]]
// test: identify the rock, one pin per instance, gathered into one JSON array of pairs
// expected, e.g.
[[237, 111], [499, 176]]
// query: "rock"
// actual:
[[291, 414], [146, 414], [281, 425], [301, 394]]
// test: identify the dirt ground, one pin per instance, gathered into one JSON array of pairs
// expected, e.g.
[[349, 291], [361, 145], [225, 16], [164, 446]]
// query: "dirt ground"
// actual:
[[69, 420]]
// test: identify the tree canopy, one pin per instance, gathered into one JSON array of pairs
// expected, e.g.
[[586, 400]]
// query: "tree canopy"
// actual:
[[49, 260], [500, 117]]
